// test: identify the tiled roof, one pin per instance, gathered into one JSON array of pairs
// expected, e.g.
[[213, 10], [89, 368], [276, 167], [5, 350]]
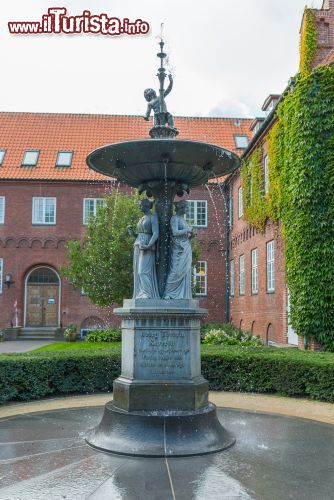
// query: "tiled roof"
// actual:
[[82, 133]]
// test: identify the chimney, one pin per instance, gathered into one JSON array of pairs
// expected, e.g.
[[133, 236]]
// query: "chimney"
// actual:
[[324, 21]]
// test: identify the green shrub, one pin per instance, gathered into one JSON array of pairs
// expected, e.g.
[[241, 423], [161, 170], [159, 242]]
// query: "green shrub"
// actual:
[[269, 370], [230, 335], [70, 334], [41, 374], [245, 369], [112, 335]]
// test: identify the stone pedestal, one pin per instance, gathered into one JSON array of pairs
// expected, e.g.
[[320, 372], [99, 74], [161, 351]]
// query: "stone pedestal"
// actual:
[[160, 356], [161, 392]]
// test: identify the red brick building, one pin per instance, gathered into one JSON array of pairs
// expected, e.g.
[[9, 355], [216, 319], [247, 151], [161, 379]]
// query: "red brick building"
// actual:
[[47, 190], [258, 294]]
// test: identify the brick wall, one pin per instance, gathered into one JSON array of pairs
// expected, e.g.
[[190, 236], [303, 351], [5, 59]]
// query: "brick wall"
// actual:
[[264, 313], [24, 246], [325, 27]]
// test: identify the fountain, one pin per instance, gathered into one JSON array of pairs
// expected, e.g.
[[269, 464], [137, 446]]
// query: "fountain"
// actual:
[[160, 402], [160, 406]]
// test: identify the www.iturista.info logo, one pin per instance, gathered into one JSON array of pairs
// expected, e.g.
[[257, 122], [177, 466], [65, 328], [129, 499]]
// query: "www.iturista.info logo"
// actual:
[[56, 21]]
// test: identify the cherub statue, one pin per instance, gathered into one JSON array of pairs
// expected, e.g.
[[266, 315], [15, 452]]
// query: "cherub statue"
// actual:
[[157, 103]]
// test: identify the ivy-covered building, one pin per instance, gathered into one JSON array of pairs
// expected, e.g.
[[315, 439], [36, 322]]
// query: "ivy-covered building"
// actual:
[[281, 238]]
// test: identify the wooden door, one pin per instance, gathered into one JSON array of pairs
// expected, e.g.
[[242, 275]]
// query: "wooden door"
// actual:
[[34, 306], [51, 304], [42, 305]]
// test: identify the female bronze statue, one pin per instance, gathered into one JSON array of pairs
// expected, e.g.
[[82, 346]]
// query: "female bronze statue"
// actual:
[[178, 285], [145, 279]]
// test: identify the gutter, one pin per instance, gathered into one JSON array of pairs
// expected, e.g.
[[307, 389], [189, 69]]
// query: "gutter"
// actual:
[[263, 129], [268, 121], [227, 257], [57, 181]]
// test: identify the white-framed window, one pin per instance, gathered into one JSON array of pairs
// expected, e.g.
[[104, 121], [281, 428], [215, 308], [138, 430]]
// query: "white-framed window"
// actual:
[[200, 276], [232, 278], [270, 266], [242, 275], [2, 209], [44, 210], [64, 158], [266, 174], [30, 158], [241, 141], [255, 271], [240, 203], [197, 213], [91, 207], [230, 208], [2, 156], [1, 274]]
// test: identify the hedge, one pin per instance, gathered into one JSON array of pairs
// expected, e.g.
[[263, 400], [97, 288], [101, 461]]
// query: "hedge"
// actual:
[[33, 376], [262, 370]]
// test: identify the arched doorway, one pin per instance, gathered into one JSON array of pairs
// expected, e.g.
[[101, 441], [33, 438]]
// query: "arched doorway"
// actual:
[[42, 304]]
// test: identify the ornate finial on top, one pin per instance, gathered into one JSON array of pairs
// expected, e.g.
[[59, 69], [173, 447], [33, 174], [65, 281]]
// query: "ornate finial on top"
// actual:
[[163, 120]]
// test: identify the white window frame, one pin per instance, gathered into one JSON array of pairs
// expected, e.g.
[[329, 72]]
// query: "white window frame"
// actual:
[[241, 137], [232, 283], [44, 198], [266, 174], [270, 266], [2, 211], [65, 165], [2, 155], [196, 275], [86, 216], [230, 208], [255, 271], [240, 203], [195, 204], [242, 275], [30, 164], [1, 275]]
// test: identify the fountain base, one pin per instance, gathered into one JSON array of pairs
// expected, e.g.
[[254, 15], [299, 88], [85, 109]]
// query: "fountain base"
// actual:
[[160, 434], [160, 402]]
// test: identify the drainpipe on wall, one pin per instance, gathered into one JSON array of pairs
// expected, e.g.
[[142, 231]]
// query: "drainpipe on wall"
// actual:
[[227, 252]]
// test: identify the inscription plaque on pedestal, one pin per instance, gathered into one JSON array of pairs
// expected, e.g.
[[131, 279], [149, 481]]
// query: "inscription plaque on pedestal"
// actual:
[[164, 354]]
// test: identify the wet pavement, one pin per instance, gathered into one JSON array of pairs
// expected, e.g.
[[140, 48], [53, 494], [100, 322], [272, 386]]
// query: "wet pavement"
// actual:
[[10, 346], [44, 456]]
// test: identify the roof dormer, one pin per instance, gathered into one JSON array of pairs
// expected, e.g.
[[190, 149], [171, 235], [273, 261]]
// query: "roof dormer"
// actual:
[[256, 125], [270, 103]]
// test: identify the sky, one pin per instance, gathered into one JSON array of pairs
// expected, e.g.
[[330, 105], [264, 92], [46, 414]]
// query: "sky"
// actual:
[[226, 57]]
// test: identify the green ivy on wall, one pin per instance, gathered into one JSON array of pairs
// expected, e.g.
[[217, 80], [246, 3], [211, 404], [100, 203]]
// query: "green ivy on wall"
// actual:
[[275, 146], [308, 42], [301, 194], [307, 202], [255, 206]]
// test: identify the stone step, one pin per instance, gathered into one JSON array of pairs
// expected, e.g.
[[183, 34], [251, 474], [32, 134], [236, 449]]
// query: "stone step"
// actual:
[[37, 333], [36, 337]]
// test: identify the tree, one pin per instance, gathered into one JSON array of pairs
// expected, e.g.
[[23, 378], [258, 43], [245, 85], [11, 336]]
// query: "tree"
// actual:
[[102, 263]]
